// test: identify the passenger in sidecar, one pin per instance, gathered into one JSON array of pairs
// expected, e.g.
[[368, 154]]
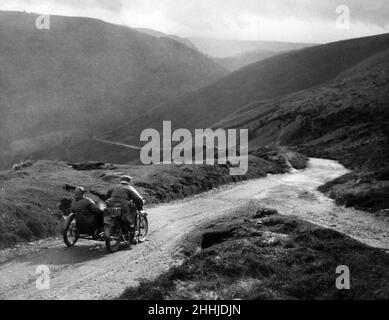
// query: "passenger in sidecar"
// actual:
[[89, 218]]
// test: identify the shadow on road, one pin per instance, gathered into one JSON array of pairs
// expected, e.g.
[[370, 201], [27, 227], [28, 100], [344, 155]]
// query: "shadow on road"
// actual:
[[61, 255]]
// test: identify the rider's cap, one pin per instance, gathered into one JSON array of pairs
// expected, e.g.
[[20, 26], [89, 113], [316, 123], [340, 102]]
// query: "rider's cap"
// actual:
[[126, 179], [79, 192]]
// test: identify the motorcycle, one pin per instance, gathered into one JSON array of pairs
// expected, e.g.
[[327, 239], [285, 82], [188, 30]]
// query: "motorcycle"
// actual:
[[115, 231]]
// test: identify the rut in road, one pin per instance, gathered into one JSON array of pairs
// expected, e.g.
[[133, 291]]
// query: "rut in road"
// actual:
[[88, 272]]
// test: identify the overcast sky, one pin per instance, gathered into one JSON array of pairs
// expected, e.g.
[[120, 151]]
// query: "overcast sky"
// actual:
[[283, 20]]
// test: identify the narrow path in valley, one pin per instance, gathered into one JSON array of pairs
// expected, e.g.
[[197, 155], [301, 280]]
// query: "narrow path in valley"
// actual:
[[88, 272], [129, 146]]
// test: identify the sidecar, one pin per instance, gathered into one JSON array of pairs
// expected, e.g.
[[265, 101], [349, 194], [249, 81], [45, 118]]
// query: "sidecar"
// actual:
[[85, 226]]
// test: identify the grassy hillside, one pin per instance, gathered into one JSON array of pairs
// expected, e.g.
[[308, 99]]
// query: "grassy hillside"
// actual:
[[257, 254], [85, 75], [29, 196], [346, 120], [268, 79]]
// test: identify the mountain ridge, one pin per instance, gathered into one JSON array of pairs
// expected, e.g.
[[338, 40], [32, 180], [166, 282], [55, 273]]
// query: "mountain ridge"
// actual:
[[269, 79]]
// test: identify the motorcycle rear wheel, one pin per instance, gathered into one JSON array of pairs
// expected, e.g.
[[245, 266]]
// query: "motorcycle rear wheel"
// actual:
[[114, 238]]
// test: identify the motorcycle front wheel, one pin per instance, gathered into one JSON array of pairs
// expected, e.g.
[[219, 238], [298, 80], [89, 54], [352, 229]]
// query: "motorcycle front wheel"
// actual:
[[143, 228], [113, 238]]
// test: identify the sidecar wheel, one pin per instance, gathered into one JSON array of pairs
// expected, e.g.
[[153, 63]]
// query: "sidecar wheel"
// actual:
[[70, 236]]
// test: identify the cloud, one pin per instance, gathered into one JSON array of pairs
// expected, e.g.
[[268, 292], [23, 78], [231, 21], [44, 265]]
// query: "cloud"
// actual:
[[105, 10], [288, 20]]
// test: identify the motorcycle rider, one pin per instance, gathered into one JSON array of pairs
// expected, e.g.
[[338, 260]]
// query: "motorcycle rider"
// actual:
[[85, 208], [128, 198]]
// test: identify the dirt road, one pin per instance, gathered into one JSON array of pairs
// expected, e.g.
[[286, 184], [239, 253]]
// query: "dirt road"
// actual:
[[88, 272]]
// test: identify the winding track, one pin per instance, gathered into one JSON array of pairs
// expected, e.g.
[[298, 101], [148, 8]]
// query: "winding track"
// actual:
[[88, 272]]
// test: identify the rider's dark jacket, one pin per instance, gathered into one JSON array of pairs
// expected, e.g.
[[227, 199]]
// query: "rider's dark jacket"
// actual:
[[126, 192], [128, 198]]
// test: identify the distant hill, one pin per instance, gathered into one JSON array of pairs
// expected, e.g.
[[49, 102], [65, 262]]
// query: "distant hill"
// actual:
[[159, 34], [83, 76], [234, 54], [239, 61], [219, 48], [269, 79]]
